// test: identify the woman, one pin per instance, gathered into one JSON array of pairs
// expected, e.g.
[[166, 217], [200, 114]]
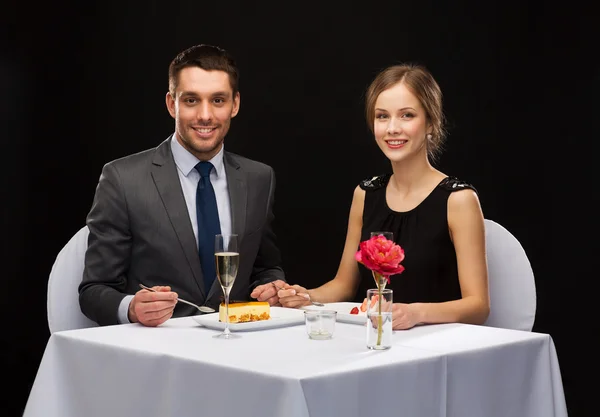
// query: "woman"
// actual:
[[435, 218]]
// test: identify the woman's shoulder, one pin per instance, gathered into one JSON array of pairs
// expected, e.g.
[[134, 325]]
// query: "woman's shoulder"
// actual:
[[455, 184], [374, 183]]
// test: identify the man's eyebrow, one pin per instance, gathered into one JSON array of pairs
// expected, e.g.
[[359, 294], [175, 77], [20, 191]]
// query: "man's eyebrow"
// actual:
[[193, 94]]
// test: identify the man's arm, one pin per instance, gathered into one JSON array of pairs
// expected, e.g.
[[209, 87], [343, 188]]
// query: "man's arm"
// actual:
[[267, 266], [107, 257]]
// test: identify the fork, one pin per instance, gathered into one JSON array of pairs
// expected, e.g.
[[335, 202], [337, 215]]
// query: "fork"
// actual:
[[315, 303], [204, 309]]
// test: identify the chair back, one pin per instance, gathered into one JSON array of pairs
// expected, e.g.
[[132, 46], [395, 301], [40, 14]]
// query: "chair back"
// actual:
[[64, 312], [513, 299]]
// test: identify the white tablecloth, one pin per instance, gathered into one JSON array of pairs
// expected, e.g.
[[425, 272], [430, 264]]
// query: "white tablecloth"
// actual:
[[179, 370]]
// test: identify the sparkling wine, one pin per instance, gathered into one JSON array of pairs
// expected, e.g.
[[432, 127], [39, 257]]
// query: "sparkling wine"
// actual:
[[227, 267]]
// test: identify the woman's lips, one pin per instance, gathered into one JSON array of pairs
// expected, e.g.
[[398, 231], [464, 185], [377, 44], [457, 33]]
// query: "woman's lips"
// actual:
[[396, 143]]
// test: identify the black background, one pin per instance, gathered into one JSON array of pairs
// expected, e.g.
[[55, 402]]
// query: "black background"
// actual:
[[84, 83]]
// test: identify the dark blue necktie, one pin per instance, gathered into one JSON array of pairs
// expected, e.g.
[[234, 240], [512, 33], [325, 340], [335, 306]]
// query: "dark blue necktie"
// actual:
[[208, 223]]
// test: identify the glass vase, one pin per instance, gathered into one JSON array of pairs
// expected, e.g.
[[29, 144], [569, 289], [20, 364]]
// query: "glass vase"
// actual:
[[379, 318]]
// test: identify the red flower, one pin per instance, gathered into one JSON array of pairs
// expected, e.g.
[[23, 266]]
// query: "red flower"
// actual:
[[381, 256]]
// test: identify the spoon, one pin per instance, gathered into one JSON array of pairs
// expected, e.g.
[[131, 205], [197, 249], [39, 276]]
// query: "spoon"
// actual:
[[315, 303], [204, 309]]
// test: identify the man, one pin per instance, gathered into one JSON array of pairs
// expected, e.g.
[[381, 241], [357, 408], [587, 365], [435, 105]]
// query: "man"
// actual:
[[155, 213]]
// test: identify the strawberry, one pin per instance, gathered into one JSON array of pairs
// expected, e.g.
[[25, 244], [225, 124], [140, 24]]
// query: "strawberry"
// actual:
[[374, 301], [354, 310]]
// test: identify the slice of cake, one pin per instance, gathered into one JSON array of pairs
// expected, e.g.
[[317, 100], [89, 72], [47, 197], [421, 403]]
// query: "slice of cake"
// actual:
[[245, 312]]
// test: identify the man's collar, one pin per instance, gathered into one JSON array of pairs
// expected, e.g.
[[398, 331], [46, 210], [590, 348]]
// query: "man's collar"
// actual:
[[186, 162]]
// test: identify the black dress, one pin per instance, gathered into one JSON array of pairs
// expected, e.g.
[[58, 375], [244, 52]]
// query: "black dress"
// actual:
[[430, 273]]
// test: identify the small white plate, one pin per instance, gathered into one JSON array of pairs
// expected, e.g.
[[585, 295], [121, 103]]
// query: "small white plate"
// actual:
[[280, 317], [343, 312]]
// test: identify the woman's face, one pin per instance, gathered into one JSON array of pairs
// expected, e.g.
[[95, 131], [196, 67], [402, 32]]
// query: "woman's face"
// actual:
[[400, 123]]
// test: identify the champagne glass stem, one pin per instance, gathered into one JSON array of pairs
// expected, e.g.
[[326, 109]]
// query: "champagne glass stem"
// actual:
[[226, 291]]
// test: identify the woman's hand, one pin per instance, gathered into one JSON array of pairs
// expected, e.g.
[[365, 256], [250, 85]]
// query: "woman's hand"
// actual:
[[404, 316], [293, 296]]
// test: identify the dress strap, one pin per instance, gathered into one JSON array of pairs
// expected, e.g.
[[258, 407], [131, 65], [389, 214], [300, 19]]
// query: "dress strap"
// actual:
[[455, 184], [376, 182]]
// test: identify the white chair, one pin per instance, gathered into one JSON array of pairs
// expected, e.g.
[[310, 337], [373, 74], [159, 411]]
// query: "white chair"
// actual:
[[513, 299], [66, 274]]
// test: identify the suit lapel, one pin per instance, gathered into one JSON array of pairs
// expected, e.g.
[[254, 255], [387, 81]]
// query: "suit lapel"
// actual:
[[236, 185], [164, 173]]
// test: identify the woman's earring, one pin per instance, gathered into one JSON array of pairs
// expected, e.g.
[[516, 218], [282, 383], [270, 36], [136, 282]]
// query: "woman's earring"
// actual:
[[429, 136]]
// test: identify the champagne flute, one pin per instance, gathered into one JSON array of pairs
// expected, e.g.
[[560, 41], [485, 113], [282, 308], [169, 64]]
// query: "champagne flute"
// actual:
[[227, 258]]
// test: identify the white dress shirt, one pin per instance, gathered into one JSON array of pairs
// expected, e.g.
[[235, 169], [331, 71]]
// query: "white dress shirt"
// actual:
[[189, 178]]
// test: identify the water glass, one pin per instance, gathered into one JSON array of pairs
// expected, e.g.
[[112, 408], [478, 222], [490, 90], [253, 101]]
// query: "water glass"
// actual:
[[379, 319], [320, 324]]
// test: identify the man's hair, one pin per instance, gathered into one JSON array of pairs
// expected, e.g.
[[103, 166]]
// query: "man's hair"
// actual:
[[207, 57], [422, 84]]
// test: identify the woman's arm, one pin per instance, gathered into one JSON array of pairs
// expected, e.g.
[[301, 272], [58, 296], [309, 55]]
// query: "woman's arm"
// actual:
[[467, 231]]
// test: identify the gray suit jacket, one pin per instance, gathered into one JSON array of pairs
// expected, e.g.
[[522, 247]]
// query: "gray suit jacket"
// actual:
[[140, 232]]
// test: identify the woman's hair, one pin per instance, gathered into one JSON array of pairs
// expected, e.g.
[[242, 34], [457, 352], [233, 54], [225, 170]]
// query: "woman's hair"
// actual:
[[422, 84]]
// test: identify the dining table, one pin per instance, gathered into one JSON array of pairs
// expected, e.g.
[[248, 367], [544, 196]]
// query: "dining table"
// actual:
[[179, 369]]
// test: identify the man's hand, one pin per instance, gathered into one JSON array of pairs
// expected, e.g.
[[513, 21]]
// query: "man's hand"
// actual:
[[268, 292], [152, 308]]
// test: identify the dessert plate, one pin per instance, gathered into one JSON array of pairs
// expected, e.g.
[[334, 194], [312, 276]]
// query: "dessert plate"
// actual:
[[343, 312], [280, 317]]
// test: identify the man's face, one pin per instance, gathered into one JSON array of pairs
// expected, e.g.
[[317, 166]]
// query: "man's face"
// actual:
[[202, 106]]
